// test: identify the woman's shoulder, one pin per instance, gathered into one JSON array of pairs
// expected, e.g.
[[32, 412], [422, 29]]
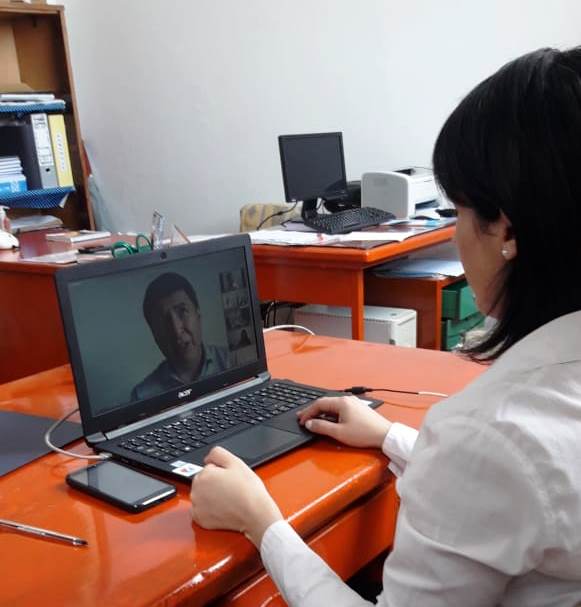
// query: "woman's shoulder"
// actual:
[[519, 383], [531, 416], [510, 441]]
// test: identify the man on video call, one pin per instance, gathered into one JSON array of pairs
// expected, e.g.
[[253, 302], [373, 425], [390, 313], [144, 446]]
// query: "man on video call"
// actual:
[[171, 309]]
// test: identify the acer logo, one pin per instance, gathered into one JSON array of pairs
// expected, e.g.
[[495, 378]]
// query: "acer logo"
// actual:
[[184, 393]]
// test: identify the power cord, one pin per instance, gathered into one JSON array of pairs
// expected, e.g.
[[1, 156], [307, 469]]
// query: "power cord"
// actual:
[[53, 447], [277, 214], [356, 390], [272, 309], [363, 389], [288, 327], [268, 310]]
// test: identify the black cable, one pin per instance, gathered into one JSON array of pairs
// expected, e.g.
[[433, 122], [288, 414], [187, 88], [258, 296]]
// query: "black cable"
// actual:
[[272, 312], [289, 313], [364, 389], [267, 313], [278, 213]]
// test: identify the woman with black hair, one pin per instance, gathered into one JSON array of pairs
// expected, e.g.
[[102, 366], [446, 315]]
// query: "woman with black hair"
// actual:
[[491, 487]]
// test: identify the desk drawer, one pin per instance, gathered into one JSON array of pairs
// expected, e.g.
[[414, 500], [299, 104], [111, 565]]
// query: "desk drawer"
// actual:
[[453, 331], [458, 301]]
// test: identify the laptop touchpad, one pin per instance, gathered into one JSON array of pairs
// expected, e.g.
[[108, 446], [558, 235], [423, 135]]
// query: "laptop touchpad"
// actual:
[[259, 442]]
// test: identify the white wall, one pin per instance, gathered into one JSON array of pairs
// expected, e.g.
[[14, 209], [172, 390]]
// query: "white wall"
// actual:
[[181, 101]]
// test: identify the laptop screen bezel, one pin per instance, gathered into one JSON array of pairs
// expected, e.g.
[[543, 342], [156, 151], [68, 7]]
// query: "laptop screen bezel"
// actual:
[[129, 413]]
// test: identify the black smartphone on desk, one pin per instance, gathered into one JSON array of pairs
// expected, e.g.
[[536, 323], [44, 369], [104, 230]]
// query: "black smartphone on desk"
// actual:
[[122, 486]]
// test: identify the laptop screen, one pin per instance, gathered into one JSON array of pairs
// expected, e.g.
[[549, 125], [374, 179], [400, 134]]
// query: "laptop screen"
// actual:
[[162, 329]]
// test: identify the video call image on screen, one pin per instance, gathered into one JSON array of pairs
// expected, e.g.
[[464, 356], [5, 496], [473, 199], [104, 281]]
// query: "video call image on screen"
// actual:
[[153, 330]]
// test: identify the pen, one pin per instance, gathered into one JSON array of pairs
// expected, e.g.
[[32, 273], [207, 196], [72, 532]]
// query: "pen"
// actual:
[[63, 537]]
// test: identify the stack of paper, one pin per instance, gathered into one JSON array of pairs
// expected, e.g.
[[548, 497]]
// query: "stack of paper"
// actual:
[[12, 179], [61, 258], [393, 231], [27, 99], [72, 236], [286, 238], [30, 223]]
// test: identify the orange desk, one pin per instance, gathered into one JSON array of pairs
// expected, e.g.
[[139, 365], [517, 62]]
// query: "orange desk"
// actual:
[[31, 332], [336, 276], [333, 495], [31, 329]]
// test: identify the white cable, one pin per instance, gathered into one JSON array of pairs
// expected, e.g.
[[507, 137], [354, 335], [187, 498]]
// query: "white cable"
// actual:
[[424, 392], [289, 327], [433, 393], [63, 451]]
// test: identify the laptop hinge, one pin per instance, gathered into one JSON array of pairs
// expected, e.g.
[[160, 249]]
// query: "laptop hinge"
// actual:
[[189, 406], [98, 437]]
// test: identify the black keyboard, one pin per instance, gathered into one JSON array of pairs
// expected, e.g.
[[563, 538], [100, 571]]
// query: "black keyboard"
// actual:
[[210, 424], [349, 220]]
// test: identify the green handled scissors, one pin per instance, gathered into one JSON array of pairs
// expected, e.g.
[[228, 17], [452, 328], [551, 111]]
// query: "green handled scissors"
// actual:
[[121, 248]]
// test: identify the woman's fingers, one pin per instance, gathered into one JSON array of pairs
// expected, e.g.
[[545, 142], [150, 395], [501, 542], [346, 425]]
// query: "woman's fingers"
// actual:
[[328, 404], [323, 427]]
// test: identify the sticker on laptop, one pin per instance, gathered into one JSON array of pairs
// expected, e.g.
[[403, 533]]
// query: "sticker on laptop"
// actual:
[[178, 463], [188, 470]]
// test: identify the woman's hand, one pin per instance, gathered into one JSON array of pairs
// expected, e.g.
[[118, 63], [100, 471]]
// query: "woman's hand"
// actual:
[[226, 494], [356, 424]]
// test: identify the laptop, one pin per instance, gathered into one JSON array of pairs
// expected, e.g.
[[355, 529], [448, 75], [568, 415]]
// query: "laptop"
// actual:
[[168, 358]]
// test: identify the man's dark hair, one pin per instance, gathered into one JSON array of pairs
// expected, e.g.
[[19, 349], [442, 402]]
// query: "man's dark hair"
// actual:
[[513, 145], [161, 287]]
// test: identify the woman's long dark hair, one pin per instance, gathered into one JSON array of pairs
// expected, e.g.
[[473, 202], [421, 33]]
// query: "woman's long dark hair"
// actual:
[[513, 145]]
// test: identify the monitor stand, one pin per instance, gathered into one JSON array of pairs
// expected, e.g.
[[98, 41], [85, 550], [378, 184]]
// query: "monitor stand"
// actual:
[[309, 210], [336, 206], [309, 214], [333, 204]]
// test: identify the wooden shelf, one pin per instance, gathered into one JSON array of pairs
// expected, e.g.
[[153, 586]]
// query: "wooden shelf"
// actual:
[[34, 55]]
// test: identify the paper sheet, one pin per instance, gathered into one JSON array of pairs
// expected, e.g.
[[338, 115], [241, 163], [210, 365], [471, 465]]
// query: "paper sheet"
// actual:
[[60, 258], [287, 238], [421, 267]]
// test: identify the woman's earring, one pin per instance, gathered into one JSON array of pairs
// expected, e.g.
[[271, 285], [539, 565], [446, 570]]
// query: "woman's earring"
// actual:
[[504, 252]]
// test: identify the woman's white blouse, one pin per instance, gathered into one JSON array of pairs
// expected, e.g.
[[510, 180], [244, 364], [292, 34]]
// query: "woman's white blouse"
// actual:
[[490, 493]]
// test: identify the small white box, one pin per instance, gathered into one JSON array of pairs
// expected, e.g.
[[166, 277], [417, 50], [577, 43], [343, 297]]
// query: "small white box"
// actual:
[[382, 325]]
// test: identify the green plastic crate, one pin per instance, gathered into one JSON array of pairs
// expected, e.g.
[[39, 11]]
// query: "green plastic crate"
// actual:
[[458, 301]]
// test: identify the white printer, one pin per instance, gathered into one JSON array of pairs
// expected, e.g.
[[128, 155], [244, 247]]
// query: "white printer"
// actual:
[[397, 326], [399, 192]]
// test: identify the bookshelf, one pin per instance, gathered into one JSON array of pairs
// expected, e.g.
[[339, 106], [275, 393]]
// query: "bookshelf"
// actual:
[[34, 56]]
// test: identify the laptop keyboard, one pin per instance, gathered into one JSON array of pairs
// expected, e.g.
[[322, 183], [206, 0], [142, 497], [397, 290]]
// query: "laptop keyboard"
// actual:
[[208, 425]]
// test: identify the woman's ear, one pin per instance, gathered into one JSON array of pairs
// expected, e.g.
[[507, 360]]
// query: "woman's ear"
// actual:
[[508, 247]]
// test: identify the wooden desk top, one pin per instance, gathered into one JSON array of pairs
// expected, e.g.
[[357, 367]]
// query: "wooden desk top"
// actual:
[[34, 244], [351, 257], [158, 557]]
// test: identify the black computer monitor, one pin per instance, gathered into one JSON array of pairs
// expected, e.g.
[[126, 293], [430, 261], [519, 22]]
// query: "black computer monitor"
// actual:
[[313, 167]]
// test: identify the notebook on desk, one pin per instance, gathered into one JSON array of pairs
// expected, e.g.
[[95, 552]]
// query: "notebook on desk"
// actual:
[[168, 357]]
